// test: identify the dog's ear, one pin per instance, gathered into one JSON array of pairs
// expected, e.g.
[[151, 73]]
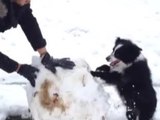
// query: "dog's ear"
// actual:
[[137, 47], [133, 49], [122, 40], [140, 49], [118, 40]]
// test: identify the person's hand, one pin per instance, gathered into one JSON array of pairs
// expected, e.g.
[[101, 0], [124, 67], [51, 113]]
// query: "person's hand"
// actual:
[[22, 2], [28, 72], [50, 63]]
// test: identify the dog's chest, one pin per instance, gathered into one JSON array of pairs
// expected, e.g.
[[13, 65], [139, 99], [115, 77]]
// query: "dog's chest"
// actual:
[[126, 86]]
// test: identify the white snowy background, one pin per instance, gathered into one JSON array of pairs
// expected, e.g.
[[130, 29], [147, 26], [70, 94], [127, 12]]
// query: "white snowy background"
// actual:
[[83, 29]]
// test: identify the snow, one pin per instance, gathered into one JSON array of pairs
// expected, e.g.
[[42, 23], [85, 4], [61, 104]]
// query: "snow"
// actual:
[[77, 91], [83, 29]]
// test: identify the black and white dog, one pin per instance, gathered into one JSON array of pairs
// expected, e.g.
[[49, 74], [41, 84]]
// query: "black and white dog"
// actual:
[[130, 73]]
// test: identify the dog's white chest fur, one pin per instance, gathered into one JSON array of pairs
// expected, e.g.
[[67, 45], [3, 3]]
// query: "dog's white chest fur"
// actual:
[[67, 95]]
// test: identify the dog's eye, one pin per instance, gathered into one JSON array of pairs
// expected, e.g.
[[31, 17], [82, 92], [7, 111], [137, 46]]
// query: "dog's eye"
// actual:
[[116, 54]]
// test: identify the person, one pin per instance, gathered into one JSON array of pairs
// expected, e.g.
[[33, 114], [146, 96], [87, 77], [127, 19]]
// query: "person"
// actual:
[[18, 12]]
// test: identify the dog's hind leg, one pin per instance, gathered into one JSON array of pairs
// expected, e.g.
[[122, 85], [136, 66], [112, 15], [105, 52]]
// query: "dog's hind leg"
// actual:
[[145, 116], [147, 112]]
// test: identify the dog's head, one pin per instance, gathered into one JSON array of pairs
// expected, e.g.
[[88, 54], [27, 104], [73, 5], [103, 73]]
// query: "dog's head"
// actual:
[[124, 54]]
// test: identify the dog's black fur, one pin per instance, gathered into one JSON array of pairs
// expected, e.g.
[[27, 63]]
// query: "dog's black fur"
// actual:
[[133, 80]]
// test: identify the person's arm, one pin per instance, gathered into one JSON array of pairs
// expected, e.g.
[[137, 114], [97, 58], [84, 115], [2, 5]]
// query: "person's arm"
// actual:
[[31, 29], [33, 33], [9, 65]]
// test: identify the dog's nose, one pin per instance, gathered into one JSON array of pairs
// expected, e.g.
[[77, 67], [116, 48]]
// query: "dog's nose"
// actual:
[[108, 58]]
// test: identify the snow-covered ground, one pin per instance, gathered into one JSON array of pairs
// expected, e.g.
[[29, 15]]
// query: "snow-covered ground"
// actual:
[[83, 29]]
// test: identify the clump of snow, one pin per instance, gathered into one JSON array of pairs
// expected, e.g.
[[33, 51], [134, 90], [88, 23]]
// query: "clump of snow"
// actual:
[[81, 96]]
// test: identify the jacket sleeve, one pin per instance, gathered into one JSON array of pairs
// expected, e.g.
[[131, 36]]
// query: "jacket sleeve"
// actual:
[[31, 28], [7, 64]]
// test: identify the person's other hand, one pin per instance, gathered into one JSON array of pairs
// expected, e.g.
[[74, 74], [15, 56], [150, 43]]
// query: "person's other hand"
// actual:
[[50, 63], [29, 72]]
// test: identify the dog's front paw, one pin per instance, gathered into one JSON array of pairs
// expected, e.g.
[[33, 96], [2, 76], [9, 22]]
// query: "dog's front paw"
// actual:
[[96, 74], [103, 68], [93, 73]]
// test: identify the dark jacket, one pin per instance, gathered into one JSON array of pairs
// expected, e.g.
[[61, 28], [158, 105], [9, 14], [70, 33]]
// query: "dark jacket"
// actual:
[[23, 16]]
